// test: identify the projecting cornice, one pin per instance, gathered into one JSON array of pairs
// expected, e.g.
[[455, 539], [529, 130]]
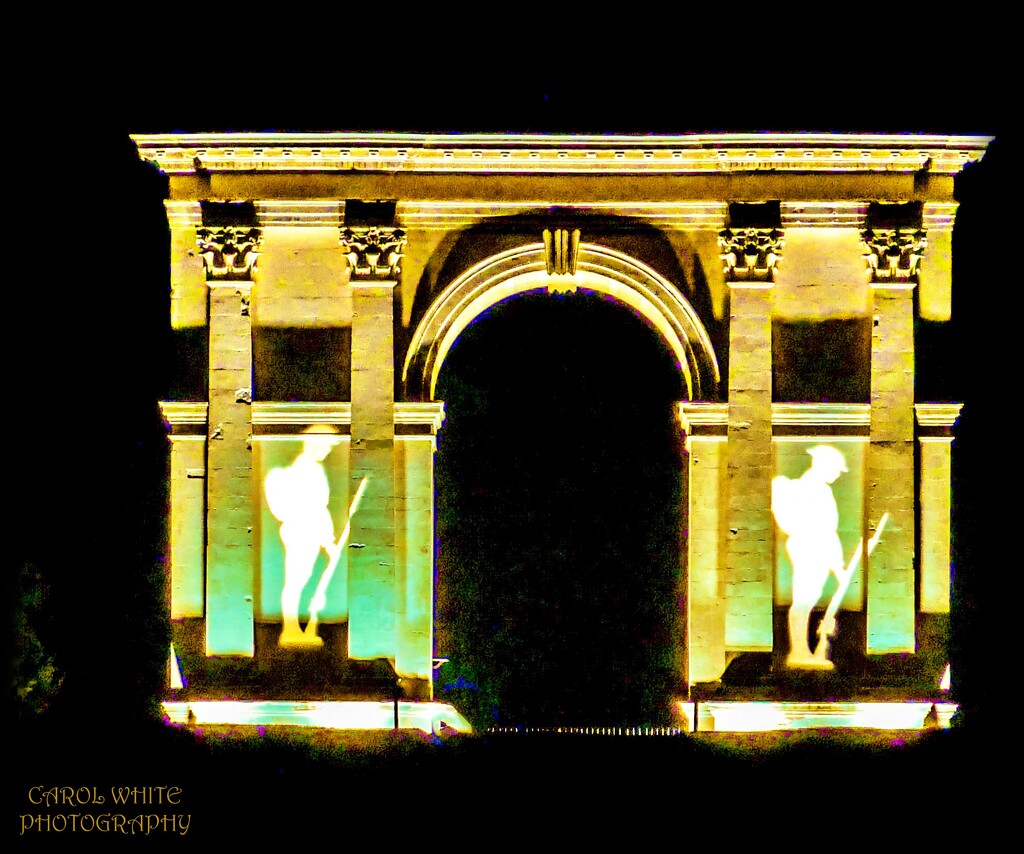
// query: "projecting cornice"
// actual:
[[180, 413], [290, 414], [540, 154], [788, 414], [937, 414], [279, 414], [695, 414]]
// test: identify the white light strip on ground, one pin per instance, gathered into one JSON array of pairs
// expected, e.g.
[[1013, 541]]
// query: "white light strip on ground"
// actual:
[[427, 717], [712, 716], [587, 730], [764, 716]]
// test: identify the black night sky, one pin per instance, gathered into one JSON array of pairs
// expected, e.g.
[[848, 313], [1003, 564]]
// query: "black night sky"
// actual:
[[91, 354]]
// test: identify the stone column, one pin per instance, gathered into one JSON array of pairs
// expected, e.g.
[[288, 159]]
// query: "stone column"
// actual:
[[229, 255], [188, 505], [934, 500], [893, 258], [414, 523], [373, 254], [706, 579], [936, 473], [751, 256]]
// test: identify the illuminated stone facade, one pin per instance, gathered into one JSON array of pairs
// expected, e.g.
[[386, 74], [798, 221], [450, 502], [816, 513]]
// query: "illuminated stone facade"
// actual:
[[314, 281]]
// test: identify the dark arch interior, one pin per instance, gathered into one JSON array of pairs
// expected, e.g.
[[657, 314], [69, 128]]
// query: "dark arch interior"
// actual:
[[559, 495]]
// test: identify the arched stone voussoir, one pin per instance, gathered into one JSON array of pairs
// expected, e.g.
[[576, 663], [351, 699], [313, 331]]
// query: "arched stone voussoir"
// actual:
[[599, 269]]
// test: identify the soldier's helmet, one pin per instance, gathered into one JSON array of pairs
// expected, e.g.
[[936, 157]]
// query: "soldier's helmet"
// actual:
[[321, 430], [321, 438], [828, 456]]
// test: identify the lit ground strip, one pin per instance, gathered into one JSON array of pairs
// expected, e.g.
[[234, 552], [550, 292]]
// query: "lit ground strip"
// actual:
[[428, 717], [761, 717], [766, 716], [587, 730]]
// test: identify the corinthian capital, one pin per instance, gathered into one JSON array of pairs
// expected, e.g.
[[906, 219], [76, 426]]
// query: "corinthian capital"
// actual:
[[750, 254], [894, 255], [374, 253], [229, 253]]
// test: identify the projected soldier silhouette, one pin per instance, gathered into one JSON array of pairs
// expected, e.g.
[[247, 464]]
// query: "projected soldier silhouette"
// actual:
[[806, 511], [298, 497]]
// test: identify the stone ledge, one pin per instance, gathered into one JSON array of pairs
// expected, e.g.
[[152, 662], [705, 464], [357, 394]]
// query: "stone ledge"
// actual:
[[550, 154]]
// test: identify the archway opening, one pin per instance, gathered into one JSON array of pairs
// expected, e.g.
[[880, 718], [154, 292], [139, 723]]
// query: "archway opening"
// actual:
[[560, 495]]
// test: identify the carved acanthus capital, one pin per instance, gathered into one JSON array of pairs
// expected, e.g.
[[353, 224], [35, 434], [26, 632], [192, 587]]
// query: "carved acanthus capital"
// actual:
[[374, 253], [750, 254], [229, 253], [894, 254]]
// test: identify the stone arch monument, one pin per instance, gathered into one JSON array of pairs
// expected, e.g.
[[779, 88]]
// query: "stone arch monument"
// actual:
[[316, 279]]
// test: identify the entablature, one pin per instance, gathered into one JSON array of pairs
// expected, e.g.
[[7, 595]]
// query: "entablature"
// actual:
[[713, 418], [680, 215], [935, 421], [291, 415], [180, 154]]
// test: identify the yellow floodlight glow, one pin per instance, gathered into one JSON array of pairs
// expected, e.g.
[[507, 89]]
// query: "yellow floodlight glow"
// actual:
[[687, 715], [357, 715], [945, 682]]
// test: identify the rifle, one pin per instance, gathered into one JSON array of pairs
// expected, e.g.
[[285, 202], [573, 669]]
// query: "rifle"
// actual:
[[319, 599], [827, 627]]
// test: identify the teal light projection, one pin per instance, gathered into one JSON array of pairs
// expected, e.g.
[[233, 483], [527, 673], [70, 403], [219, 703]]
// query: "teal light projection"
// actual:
[[817, 504], [303, 574]]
